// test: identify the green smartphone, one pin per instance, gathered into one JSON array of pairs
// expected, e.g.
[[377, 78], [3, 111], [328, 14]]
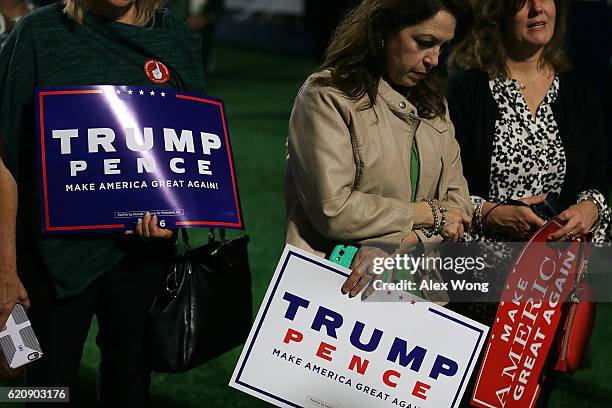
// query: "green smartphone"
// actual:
[[343, 255]]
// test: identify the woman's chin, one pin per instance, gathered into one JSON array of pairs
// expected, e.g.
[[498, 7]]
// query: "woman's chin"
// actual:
[[538, 39], [409, 82]]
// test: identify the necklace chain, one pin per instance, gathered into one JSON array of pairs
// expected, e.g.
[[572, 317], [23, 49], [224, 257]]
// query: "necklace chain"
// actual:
[[523, 84]]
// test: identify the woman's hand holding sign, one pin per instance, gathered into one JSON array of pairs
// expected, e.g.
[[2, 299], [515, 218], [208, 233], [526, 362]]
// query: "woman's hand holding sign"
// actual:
[[363, 270], [146, 228], [579, 219]]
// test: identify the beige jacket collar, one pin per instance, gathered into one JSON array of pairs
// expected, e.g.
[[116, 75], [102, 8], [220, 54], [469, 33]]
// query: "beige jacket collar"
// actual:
[[402, 107]]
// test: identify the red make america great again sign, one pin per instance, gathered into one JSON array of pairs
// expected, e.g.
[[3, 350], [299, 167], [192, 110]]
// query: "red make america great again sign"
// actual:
[[540, 281]]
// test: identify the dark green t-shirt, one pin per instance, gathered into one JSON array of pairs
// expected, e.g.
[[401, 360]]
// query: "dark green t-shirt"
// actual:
[[47, 48]]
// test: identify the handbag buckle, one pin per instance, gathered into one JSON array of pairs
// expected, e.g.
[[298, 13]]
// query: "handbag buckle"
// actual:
[[576, 295], [211, 235]]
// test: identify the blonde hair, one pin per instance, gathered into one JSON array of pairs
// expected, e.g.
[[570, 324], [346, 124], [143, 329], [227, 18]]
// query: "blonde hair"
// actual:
[[145, 10]]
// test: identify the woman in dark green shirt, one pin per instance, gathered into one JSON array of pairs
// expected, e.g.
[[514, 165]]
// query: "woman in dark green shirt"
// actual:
[[69, 279]]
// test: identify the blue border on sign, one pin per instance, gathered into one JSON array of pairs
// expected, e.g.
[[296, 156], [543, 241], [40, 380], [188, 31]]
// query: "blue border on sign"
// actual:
[[469, 326], [246, 357], [331, 269]]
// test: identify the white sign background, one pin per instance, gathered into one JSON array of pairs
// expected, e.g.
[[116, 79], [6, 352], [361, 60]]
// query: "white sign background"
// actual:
[[286, 383]]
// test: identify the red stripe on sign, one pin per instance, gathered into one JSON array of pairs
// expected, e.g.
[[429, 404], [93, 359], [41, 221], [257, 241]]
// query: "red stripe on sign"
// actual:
[[229, 158], [84, 227], [43, 158], [41, 96], [222, 224]]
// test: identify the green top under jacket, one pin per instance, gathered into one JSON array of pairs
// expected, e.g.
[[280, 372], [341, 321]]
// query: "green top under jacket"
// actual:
[[47, 48]]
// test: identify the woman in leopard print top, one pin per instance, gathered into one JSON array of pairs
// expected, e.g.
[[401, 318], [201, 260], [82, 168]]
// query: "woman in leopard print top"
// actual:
[[526, 127]]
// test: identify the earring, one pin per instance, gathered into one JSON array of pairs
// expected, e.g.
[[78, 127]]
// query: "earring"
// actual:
[[382, 43]]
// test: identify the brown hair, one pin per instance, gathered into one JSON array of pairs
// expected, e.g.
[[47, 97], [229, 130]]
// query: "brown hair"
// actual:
[[484, 47], [355, 55], [145, 10]]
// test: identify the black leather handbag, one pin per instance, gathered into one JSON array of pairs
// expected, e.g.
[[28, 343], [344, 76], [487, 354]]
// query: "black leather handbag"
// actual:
[[203, 307]]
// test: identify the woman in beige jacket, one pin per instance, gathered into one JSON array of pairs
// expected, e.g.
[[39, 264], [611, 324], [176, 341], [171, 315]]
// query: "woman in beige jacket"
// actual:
[[372, 157]]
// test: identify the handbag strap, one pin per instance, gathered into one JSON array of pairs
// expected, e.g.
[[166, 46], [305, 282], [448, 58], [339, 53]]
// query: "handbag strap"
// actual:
[[185, 237], [584, 253], [211, 237]]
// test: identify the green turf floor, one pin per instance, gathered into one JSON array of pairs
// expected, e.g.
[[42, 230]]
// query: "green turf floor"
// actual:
[[258, 89]]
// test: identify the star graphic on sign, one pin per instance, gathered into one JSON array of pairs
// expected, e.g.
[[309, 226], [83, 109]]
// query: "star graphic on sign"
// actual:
[[141, 92], [130, 91], [412, 302], [118, 91], [152, 93], [163, 94], [401, 298], [389, 293]]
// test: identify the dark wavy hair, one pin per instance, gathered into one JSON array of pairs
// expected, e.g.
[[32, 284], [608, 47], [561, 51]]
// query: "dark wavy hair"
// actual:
[[356, 58], [484, 48]]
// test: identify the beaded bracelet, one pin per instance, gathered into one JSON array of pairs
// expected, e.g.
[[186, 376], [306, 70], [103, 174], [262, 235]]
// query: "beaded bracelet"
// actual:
[[443, 211], [431, 231]]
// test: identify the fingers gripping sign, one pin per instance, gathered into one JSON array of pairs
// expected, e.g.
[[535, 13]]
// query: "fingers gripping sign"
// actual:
[[579, 219], [147, 228], [363, 270]]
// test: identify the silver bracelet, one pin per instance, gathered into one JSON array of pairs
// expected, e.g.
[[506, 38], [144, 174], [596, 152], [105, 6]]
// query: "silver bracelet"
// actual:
[[431, 231], [478, 215]]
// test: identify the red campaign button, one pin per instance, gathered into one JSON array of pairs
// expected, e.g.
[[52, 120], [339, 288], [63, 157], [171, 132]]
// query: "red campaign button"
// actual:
[[156, 71]]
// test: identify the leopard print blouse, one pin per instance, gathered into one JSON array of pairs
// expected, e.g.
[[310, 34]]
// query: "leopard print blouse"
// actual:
[[528, 156]]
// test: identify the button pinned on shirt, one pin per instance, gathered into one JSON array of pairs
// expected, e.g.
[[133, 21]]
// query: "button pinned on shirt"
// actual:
[[402, 105]]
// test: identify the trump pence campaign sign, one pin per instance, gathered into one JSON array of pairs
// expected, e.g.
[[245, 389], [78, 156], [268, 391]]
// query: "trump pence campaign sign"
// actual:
[[311, 346], [107, 154]]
